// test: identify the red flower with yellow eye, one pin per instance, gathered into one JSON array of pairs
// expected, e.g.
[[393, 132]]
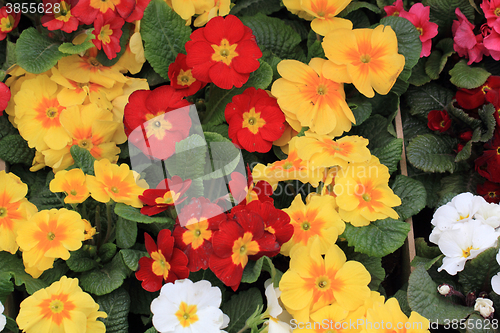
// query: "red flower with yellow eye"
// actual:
[[223, 52], [181, 77], [61, 19], [169, 192], [108, 30], [255, 120], [4, 97], [438, 120], [238, 240], [474, 98], [166, 263], [88, 10], [8, 21], [244, 191], [201, 219]]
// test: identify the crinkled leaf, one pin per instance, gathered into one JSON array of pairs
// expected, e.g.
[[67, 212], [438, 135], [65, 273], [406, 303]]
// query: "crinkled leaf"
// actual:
[[424, 299], [221, 129], [424, 250], [463, 116], [468, 77], [431, 182], [412, 194], [81, 261], [477, 324], [400, 87], [131, 258], [438, 58], [432, 96], [14, 266], [390, 154], [45, 199], [252, 271], [451, 186], [70, 48], [443, 12], [55, 273], [427, 263], [126, 233], [107, 251], [432, 153], [240, 307], [134, 214], [375, 130], [14, 149], [413, 126], [10, 54], [379, 238], [164, 33], [116, 305], [486, 113], [11, 326], [189, 160], [37, 53], [315, 51], [355, 5], [252, 7], [466, 151], [83, 159], [6, 127], [477, 272], [101, 281], [6, 286], [361, 109], [418, 75]]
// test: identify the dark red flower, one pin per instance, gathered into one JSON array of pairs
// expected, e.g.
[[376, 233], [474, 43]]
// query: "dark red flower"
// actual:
[[61, 19], [138, 12], [201, 219], [8, 22], [108, 30], [438, 120], [489, 191], [255, 120], [223, 52], [244, 191], [488, 164], [474, 98], [156, 119], [4, 97], [238, 240], [169, 192], [465, 136], [181, 78], [88, 10], [166, 263]]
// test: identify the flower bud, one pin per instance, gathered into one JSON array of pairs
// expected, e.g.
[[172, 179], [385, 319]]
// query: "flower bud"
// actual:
[[484, 306], [444, 289]]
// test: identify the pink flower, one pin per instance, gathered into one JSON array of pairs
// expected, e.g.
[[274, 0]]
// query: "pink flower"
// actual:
[[396, 9], [465, 42], [492, 44], [491, 11], [419, 16]]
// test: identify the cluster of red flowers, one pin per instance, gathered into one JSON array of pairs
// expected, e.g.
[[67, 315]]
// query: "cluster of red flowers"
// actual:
[[418, 15], [8, 21], [212, 239]]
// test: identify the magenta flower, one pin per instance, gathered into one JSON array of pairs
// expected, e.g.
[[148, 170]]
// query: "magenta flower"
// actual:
[[465, 42], [491, 11], [396, 9], [419, 16], [492, 44]]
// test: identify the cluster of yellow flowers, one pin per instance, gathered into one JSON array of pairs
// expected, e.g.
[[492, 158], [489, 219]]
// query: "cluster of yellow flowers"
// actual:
[[78, 102], [203, 9]]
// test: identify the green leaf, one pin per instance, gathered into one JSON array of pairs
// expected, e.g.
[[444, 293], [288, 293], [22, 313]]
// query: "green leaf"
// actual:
[[361, 109], [252, 7], [424, 299], [6, 127], [102, 56], [402, 298], [409, 43], [83, 159], [413, 196], [10, 55], [14, 149], [240, 307], [55, 273], [486, 113], [14, 267], [252, 271], [379, 238], [70, 48], [373, 265], [104, 280], [390, 154], [273, 34], [116, 305], [375, 130], [151, 330], [224, 157], [355, 5], [437, 60], [81, 261], [221, 129], [6, 286], [451, 186], [418, 75], [464, 76], [400, 87], [37, 53], [466, 151], [425, 262], [219, 98], [134, 214], [463, 116], [315, 51], [431, 182], [432, 96], [477, 324], [189, 160], [131, 258], [107, 251], [424, 250], [142, 298], [443, 12], [477, 272], [432, 153], [126, 233], [11, 326], [45, 199], [164, 33]]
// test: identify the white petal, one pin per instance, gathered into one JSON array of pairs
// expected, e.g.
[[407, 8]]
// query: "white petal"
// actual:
[[452, 265], [495, 283]]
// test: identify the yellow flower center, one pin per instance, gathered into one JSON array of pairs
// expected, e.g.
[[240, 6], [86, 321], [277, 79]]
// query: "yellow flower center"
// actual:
[[104, 5], [466, 252], [323, 283], [497, 11], [365, 58], [305, 226], [94, 62], [51, 112], [104, 34], [224, 52], [3, 212], [252, 121], [86, 144], [51, 236], [168, 198], [322, 90], [73, 192], [244, 247], [64, 13], [158, 127], [197, 233], [6, 24], [114, 189], [56, 306], [366, 197], [463, 217], [185, 78], [485, 89], [160, 265], [187, 314], [420, 30]]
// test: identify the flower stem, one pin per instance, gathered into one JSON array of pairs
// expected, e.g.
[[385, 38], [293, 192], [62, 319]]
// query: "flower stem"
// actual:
[[243, 329], [109, 220]]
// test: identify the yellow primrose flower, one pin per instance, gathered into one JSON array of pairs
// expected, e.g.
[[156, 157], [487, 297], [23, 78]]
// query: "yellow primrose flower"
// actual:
[[322, 151], [38, 112], [304, 94], [133, 58], [219, 8], [89, 230], [48, 235], [71, 182], [294, 7], [60, 308], [15, 210], [317, 219], [114, 182], [367, 58], [38, 162], [363, 193], [313, 282], [118, 104], [188, 8]]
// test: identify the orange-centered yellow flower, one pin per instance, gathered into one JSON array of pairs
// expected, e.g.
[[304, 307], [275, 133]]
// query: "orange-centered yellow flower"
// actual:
[[60, 308], [72, 183], [48, 235], [317, 219], [304, 94], [363, 193], [313, 282], [114, 182], [367, 58], [14, 209]]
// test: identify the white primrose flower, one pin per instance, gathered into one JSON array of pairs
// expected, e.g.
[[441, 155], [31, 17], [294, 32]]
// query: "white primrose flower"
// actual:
[[277, 317], [464, 243], [459, 210], [484, 306], [3, 319], [489, 213], [187, 307], [495, 281]]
